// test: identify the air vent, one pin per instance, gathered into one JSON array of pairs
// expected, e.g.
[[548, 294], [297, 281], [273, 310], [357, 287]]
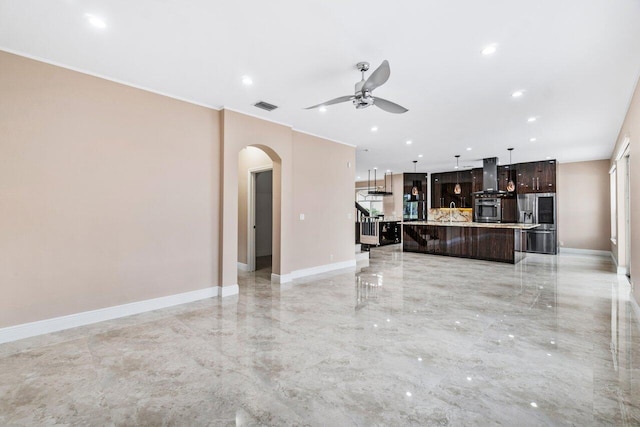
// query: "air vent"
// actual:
[[265, 106]]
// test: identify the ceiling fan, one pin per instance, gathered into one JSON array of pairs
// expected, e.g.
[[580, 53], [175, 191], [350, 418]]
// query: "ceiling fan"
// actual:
[[363, 97]]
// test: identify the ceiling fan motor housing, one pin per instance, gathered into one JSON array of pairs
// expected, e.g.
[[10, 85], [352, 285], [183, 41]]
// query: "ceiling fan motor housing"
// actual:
[[363, 100]]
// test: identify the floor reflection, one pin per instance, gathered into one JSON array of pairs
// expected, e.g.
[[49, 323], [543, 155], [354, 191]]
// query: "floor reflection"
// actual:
[[432, 340], [367, 288]]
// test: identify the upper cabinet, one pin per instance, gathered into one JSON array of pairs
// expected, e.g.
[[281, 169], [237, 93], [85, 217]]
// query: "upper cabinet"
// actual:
[[536, 177], [443, 189], [476, 180], [414, 197], [506, 173], [533, 177]]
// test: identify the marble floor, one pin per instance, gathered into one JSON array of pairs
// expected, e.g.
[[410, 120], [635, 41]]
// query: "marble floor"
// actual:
[[409, 339]]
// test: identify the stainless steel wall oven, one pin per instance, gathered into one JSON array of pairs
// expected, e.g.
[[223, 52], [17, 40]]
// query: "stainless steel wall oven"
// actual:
[[487, 209]]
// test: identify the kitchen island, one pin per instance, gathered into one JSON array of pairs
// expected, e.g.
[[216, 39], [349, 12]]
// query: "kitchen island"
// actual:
[[486, 241]]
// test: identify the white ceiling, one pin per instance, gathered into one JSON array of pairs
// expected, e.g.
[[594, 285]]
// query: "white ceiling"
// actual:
[[577, 60]]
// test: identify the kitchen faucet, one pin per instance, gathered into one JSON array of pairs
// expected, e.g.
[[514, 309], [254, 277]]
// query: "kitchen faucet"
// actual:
[[452, 206]]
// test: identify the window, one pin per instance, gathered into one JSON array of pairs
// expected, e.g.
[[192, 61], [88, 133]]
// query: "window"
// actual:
[[372, 203]]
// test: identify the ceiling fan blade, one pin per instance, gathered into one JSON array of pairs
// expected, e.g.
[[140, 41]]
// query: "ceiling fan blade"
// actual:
[[333, 101], [388, 106], [378, 77]]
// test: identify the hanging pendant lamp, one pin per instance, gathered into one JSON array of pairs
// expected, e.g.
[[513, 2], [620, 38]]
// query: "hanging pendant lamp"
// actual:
[[414, 189], [457, 189], [511, 186]]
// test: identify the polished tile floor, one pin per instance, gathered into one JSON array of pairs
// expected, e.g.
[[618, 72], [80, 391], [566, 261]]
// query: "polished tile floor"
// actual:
[[408, 340]]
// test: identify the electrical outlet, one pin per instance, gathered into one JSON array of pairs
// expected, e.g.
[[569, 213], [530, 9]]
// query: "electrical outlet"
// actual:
[[301, 217]]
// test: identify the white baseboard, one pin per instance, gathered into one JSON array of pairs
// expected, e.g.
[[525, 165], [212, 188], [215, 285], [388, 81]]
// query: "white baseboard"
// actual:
[[26, 330], [621, 270], [280, 278], [242, 266], [361, 256], [296, 274], [226, 291], [575, 251]]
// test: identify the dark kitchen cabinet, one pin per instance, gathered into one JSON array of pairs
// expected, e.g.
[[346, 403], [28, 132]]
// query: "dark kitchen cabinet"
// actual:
[[547, 182], [509, 208], [436, 190], [476, 180], [443, 189], [505, 173], [414, 197], [536, 177], [492, 244]]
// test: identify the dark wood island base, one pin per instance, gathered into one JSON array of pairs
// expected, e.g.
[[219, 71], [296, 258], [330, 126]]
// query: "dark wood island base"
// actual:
[[490, 242]]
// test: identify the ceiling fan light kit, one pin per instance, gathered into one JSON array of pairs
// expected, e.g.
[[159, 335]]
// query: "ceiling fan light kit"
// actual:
[[363, 98]]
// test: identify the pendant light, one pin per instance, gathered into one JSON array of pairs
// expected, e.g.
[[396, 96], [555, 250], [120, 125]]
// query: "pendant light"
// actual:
[[414, 189], [457, 189], [510, 185]]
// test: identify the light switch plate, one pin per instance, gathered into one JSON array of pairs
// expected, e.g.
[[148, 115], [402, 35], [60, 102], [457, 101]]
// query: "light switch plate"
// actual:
[[301, 217]]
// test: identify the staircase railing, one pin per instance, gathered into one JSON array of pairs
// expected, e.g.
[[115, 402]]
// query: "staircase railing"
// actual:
[[370, 231]]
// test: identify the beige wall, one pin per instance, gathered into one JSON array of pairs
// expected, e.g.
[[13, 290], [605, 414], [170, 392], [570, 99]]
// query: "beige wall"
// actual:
[[241, 131], [326, 235], [111, 195], [107, 193], [583, 205], [631, 130], [299, 163], [249, 158]]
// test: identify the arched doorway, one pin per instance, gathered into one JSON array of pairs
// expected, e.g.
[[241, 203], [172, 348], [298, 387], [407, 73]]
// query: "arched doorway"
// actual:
[[238, 132], [258, 214]]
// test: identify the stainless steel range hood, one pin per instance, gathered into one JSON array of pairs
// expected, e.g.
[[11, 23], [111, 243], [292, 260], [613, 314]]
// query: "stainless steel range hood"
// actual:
[[490, 178]]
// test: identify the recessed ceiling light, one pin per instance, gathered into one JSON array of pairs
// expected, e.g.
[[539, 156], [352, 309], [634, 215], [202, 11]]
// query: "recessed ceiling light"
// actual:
[[517, 94], [409, 142], [469, 148], [533, 139], [374, 129], [375, 167], [419, 155], [388, 170], [322, 109], [489, 50], [548, 157], [531, 119], [95, 21], [357, 177], [246, 80]]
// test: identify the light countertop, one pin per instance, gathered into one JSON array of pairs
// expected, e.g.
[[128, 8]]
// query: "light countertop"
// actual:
[[513, 226]]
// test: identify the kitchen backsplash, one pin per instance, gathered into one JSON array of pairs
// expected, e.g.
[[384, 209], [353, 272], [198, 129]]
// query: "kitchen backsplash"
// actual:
[[446, 214]]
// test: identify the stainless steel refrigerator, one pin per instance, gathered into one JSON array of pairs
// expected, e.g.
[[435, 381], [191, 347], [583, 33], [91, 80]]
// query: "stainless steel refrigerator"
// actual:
[[539, 208]]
